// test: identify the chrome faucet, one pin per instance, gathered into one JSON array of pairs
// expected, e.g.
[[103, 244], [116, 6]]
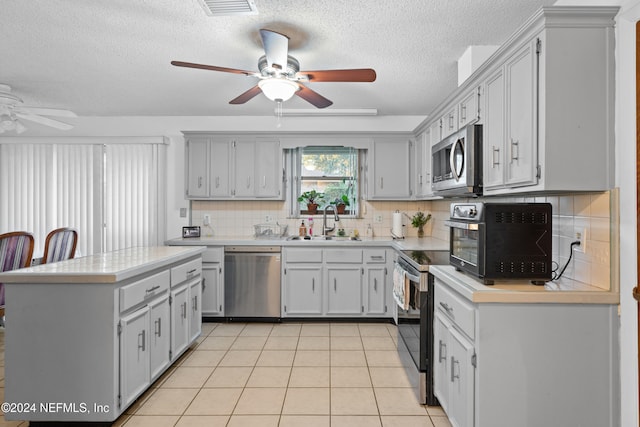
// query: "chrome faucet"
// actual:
[[336, 218]]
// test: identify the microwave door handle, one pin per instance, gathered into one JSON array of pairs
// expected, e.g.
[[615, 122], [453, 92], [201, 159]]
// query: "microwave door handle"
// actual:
[[452, 160]]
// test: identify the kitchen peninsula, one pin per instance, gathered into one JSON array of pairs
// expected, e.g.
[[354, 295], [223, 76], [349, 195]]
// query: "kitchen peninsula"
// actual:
[[85, 337]]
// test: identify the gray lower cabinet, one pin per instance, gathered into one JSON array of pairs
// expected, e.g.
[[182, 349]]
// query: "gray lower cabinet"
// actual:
[[302, 284], [179, 319], [302, 288], [113, 340], [344, 296], [334, 282], [375, 285], [159, 340], [523, 364], [134, 354], [213, 282]]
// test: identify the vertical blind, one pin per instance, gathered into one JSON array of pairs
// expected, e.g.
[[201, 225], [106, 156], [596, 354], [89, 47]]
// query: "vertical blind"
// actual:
[[110, 193]]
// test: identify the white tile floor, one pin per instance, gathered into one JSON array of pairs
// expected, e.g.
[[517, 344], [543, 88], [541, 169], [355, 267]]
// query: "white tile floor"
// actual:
[[287, 375]]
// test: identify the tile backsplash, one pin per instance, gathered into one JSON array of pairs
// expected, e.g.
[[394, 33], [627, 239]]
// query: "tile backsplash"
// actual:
[[594, 213]]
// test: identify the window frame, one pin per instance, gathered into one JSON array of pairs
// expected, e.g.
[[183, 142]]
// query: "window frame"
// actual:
[[296, 179]]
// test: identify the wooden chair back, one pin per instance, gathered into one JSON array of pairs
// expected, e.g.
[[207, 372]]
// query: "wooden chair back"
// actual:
[[59, 245], [16, 251]]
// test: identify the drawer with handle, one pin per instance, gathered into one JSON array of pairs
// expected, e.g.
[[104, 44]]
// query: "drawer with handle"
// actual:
[[375, 256], [142, 290], [457, 309], [186, 271]]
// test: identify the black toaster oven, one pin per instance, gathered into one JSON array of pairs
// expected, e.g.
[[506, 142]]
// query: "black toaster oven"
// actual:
[[495, 241]]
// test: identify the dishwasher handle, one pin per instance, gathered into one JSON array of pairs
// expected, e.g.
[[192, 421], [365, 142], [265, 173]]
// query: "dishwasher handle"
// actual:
[[253, 249]]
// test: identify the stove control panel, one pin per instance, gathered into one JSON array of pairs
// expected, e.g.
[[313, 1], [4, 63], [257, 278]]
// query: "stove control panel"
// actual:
[[468, 211]]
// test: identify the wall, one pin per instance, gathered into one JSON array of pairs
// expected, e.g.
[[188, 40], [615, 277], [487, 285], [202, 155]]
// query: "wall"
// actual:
[[236, 218], [596, 213]]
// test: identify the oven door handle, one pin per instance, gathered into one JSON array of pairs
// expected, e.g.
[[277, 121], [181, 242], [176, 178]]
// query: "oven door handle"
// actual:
[[411, 277], [462, 225]]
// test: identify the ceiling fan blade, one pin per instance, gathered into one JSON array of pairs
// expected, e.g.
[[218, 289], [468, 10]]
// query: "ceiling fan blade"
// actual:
[[350, 75], [246, 96], [213, 68], [313, 97], [45, 121], [44, 111], [276, 48]]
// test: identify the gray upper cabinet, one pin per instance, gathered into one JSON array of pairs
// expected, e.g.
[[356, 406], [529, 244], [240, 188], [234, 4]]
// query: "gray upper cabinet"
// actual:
[[220, 181], [510, 155], [549, 124], [422, 162], [223, 167], [390, 169], [198, 168], [546, 101]]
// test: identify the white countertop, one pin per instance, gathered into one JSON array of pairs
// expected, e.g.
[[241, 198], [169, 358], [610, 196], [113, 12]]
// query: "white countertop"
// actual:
[[412, 243], [108, 267], [562, 291]]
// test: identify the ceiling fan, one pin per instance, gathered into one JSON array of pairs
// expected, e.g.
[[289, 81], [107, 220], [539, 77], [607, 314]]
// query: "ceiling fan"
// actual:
[[11, 109], [280, 75]]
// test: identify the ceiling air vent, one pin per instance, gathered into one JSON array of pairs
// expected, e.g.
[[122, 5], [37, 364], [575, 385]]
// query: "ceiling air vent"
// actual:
[[229, 7]]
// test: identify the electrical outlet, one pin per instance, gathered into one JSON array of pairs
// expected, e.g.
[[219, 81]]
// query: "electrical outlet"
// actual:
[[581, 236], [268, 218], [206, 219], [377, 218]]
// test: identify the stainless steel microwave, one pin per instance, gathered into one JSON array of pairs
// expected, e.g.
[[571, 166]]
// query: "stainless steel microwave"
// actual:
[[457, 163]]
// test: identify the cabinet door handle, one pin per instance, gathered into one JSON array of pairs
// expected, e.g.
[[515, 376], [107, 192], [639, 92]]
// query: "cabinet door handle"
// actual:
[[191, 272], [335, 285], [381, 183], [183, 307], [375, 284], [199, 182], [248, 181], [450, 121], [515, 148], [195, 304], [217, 181], [442, 351], [152, 289], [463, 113], [446, 307], [142, 335], [454, 362], [420, 179], [203, 284], [313, 284], [158, 327], [264, 181], [495, 151]]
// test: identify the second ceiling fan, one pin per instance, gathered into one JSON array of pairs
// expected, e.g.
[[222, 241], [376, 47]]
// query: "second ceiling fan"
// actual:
[[280, 75]]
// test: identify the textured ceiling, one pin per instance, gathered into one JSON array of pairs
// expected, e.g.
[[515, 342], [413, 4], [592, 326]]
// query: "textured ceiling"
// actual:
[[112, 58]]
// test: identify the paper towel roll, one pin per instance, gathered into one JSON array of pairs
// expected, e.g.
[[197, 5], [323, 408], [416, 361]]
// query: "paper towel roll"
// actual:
[[396, 229]]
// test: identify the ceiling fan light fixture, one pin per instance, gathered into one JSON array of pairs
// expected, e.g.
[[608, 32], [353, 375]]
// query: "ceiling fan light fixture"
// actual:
[[7, 122], [20, 128], [278, 89]]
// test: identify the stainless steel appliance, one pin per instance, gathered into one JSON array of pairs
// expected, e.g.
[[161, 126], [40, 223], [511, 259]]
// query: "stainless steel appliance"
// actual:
[[457, 163], [252, 282], [415, 324], [501, 240]]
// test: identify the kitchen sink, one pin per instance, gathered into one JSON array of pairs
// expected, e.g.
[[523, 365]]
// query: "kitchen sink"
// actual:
[[316, 238]]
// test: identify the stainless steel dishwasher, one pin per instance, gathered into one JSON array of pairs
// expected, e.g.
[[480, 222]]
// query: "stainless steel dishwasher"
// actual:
[[252, 281]]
